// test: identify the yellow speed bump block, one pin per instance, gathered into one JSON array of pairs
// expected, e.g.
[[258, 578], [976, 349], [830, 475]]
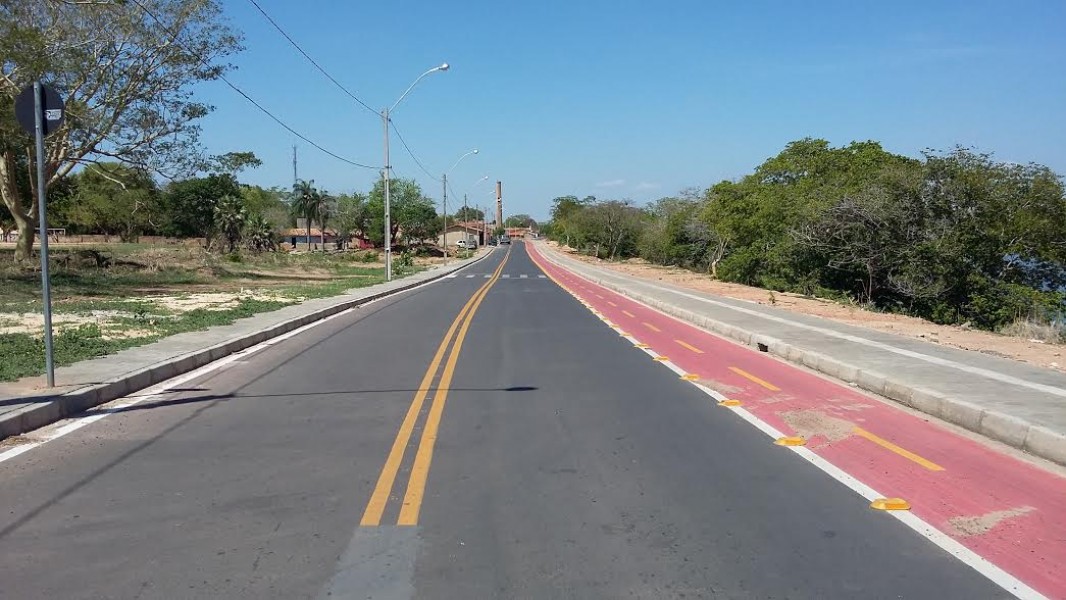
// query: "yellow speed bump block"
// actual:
[[690, 377], [791, 441], [661, 358], [890, 504], [641, 346], [729, 403]]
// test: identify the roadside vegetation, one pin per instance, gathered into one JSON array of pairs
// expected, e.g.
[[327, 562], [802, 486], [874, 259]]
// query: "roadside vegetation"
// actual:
[[108, 298], [954, 237]]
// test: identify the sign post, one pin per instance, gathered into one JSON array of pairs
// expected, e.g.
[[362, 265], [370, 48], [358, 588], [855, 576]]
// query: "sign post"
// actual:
[[39, 110]]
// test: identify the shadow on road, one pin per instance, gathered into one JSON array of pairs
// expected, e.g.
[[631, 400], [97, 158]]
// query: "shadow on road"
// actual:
[[221, 397]]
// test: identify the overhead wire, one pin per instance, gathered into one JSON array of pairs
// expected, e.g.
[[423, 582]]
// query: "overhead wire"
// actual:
[[409, 151], [311, 60], [177, 40]]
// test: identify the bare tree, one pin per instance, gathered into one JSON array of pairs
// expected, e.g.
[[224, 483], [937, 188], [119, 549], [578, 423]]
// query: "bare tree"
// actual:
[[126, 78]]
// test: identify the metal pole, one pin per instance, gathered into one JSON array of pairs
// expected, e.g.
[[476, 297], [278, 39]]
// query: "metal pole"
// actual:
[[445, 180], [46, 292], [388, 219], [466, 219]]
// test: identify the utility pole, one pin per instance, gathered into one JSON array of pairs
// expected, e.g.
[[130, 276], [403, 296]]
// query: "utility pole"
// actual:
[[444, 178], [388, 218], [499, 204]]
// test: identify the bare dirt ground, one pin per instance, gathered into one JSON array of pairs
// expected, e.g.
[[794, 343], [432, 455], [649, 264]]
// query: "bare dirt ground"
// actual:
[[1025, 350]]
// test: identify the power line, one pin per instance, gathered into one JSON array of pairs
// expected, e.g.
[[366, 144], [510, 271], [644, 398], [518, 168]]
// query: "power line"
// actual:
[[311, 60], [413, 157], [246, 96]]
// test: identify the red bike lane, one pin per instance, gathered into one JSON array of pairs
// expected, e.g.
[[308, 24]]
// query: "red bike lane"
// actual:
[[1004, 509]]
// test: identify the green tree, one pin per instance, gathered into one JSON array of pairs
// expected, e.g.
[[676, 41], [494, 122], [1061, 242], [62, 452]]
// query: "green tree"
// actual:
[[421, 222], [353, 216], [271, 203], [235, 162], [610, 229], [564, 213], [189, 204], [112, 199], [312, 205], [230, 216], [127, 88], [410, 211], [469, 213], [519, 221], [260, 234]]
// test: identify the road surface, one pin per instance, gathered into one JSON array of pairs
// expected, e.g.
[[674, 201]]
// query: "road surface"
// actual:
[[486, 436]]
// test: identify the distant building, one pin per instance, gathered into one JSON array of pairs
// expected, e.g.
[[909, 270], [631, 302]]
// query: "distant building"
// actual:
[[518, 232], [462, 230], [297, 236]]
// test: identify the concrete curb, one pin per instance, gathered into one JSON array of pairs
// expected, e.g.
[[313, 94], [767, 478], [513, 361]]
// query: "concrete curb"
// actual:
[[49, 409], [1034, 439]]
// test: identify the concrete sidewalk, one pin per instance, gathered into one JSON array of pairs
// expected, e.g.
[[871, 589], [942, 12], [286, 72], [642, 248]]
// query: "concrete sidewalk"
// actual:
[[1009, 401], [26, 404]]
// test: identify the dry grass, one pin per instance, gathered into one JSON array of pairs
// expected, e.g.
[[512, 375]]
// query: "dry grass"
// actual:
[[1033, 329]]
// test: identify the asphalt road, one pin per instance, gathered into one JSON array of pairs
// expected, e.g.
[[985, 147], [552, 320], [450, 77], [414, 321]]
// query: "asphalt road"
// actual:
[[562, 463]]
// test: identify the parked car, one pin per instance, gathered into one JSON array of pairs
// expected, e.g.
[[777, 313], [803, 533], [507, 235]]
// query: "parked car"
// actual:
[[465, 244], [504, 239]]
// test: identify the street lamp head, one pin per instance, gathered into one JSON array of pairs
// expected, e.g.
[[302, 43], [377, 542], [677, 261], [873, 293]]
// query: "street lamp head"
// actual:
[[444, 66], [475, 150]]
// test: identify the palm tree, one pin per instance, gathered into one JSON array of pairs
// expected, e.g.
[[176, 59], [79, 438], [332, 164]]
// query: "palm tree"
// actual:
[[230, 216], [259, 233], [326, 208], [311, 205]]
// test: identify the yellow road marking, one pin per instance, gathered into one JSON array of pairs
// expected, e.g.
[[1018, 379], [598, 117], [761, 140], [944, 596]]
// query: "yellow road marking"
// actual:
[[629, 314], [746, 375], [416, 485], [690, 347], [887, 445], [380, 496], [652, 327]]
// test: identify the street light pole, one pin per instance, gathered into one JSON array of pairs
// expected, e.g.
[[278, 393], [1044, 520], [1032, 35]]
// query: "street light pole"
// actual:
[[444, 178], [388, 214]]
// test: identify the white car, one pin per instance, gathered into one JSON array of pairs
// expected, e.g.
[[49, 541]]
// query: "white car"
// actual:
[[466, 244]]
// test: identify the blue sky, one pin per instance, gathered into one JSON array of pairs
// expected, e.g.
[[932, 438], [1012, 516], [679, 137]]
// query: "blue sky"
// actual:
[[635, 99]]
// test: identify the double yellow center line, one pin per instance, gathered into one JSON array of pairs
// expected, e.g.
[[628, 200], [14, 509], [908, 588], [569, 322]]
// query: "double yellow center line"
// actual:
[[416, 485]]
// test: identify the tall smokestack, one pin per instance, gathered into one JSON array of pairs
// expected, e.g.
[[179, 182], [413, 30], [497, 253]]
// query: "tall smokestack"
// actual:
[[499, 204]]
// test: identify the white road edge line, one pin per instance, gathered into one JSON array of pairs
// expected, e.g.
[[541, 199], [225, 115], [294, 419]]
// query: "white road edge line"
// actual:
[[156, 391], [975, 561]]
